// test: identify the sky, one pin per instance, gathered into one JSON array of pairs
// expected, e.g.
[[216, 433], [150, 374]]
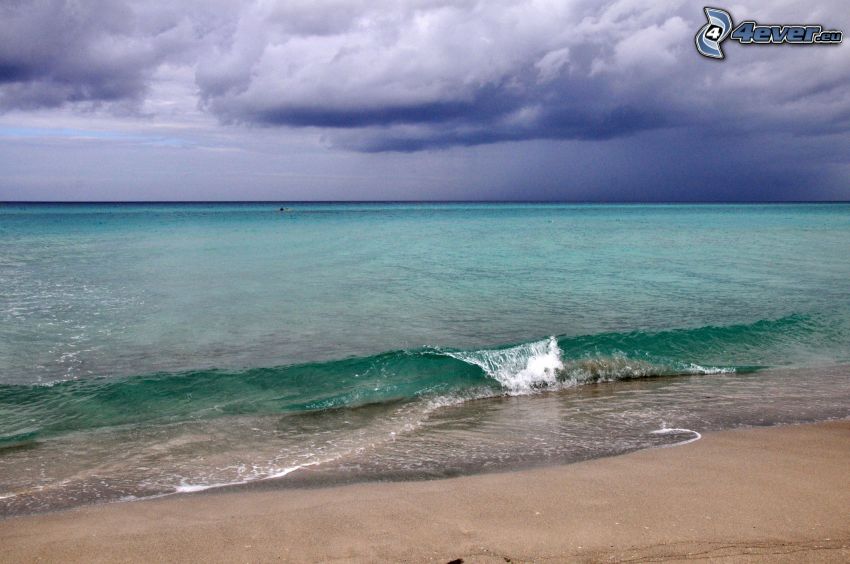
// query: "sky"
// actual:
[[569, 100]]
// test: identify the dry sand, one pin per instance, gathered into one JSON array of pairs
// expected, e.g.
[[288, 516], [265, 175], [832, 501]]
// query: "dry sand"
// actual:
[[778, 494]]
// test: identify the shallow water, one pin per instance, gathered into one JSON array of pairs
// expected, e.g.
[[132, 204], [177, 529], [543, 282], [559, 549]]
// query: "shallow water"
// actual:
[[409, 440]]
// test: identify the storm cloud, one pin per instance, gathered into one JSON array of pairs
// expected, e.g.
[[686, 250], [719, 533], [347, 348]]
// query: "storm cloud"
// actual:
[[430, 75], [55, 52], [415, 75]]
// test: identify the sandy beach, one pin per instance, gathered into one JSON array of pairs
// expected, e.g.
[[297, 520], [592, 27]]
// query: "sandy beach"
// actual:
[[776, 494]]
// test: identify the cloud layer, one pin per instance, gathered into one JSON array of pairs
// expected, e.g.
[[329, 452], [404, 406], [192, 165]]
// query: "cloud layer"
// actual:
[[387, 75], [617, 82]]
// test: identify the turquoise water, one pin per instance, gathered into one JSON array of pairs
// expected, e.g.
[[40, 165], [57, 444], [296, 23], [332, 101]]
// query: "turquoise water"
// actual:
[[226, 343]]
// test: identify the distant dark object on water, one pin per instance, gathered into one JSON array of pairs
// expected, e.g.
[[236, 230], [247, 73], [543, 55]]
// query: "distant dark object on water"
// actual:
[[286, 209]]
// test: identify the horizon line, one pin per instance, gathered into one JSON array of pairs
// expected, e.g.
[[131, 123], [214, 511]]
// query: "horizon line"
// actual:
[[613, 202]]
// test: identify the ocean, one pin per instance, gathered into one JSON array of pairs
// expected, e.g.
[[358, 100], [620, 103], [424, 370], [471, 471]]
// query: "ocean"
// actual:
[[150, 349]]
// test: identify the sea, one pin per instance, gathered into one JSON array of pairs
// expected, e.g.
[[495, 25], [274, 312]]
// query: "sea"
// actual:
[[161, 348]]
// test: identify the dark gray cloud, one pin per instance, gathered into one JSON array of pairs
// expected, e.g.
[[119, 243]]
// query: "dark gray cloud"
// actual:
[[416, 75], [58, 52], [410, 76]]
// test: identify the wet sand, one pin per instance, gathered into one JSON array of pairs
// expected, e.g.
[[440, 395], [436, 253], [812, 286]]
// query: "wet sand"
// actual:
[[776, 494]]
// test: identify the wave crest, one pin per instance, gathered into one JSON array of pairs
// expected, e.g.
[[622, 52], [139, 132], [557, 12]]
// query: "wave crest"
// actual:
[[540, 365], [520, 369], [412, 376]]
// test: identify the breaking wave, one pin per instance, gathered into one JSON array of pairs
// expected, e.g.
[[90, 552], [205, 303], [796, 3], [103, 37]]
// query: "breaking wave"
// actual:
[[435, 375]]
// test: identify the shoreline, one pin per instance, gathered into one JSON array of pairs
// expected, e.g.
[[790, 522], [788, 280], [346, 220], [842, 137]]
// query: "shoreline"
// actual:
[[776, 493]]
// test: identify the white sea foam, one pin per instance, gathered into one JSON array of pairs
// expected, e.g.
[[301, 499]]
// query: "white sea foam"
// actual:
[[708, 370], [193, 488], [539, 365], [520, 369], [665, 431]]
